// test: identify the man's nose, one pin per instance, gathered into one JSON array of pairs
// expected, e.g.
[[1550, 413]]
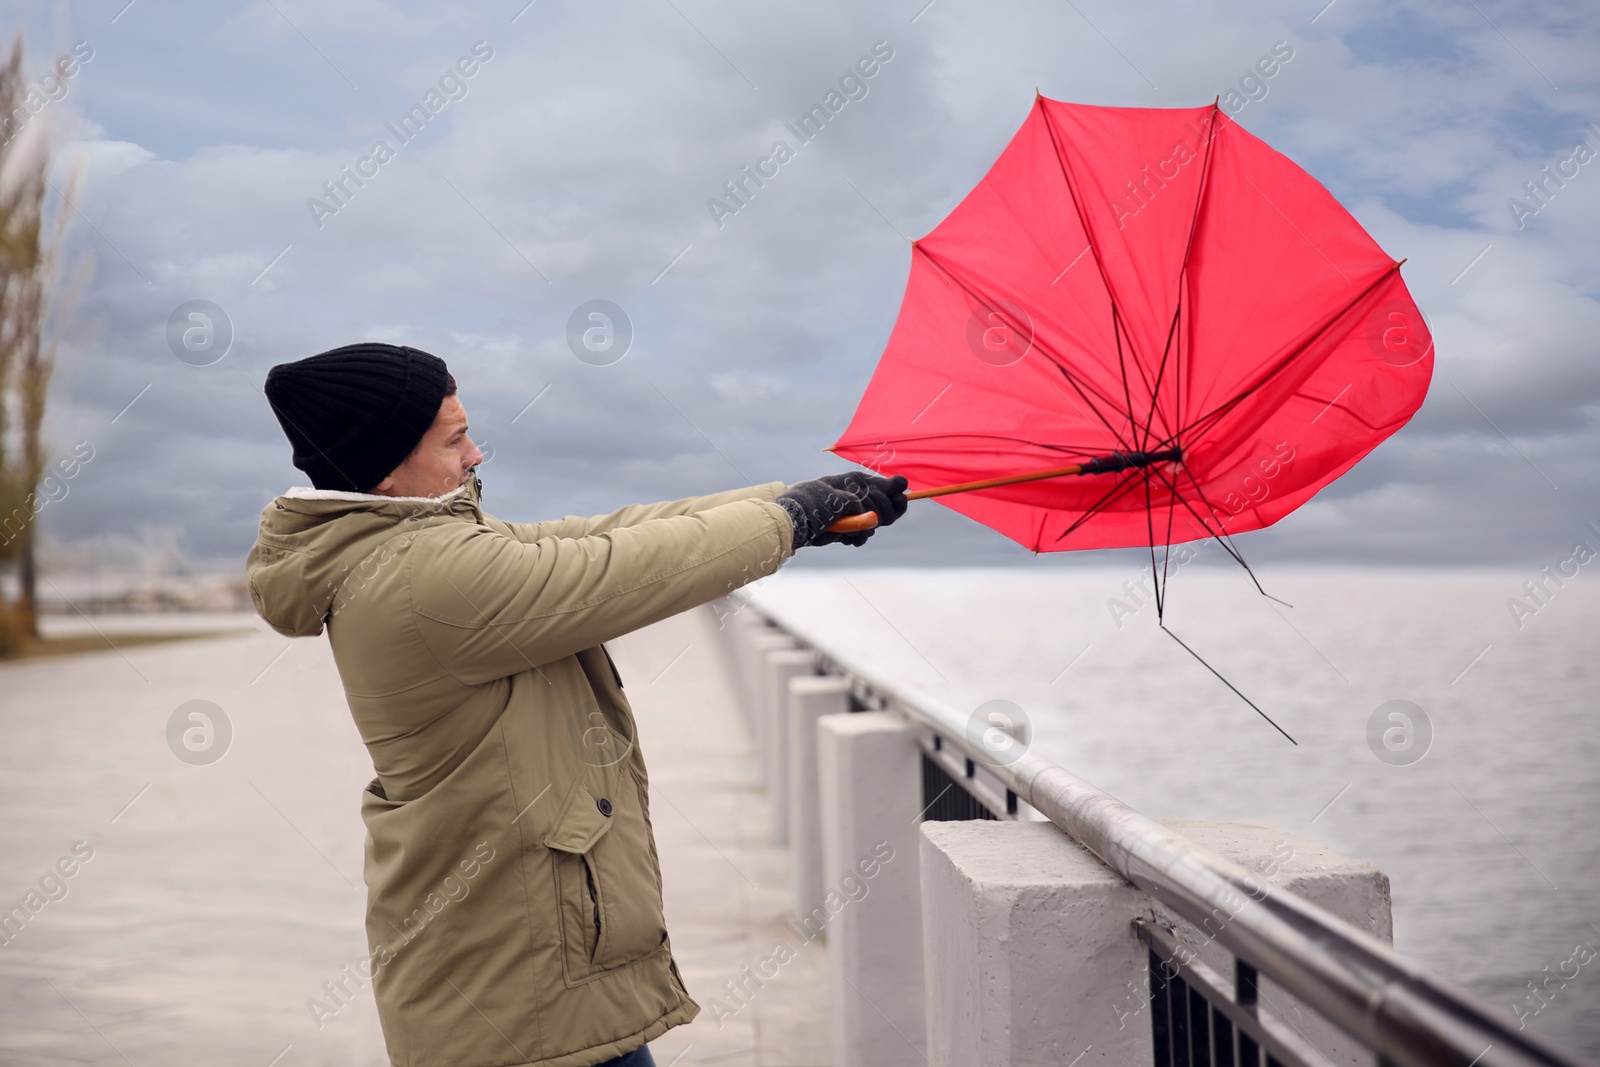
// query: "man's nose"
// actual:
[[476, 457]]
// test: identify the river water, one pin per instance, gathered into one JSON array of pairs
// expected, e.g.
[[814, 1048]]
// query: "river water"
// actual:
[[1490, 838]]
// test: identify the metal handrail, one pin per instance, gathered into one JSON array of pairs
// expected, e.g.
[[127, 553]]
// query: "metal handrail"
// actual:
[[1388, 1003]]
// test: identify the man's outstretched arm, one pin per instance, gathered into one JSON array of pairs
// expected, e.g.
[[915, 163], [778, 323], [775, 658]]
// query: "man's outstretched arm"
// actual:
[[634, 514], [489, 605]]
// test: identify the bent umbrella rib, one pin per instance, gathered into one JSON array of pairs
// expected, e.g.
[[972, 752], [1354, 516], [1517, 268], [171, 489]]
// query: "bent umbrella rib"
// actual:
[[1216, 413], [1077, 207], [1056, 360], [1174, 338]]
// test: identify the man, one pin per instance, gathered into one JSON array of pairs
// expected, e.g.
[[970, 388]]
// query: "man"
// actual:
[[514, 908]]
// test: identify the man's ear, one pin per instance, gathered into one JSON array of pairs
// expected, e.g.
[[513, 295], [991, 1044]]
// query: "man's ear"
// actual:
[[384, 487]]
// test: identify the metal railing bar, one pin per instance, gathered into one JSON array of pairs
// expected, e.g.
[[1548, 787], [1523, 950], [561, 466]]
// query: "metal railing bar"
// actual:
[[1385, 1001]]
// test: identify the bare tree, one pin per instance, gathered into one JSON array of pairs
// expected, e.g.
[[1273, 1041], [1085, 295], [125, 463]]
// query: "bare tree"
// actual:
[[33, 310]]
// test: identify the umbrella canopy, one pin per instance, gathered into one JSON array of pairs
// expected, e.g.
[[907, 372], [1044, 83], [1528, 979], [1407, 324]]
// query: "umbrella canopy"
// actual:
[[1158, 290]]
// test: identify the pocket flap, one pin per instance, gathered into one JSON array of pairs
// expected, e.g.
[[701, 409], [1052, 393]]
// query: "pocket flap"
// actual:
[[583, 820]]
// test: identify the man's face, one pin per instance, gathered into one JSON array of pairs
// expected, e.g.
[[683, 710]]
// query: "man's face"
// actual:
[[442, 461]]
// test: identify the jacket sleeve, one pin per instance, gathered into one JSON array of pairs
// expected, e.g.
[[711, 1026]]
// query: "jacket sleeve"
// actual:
[[634, 514], [489, 606]]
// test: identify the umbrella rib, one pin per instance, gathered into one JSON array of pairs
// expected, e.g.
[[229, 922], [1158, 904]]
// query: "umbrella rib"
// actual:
[[1077, 207], [1220, 535], [1072, 193], [1150, 535], [1226, 406], [1161, 372], [1122, 367], [1223, 538], [1112, 494], [1183, 269], [993, 306], [1225, 682], [1166, 560], [1226, 544], [1200, 193], [1055, 359]]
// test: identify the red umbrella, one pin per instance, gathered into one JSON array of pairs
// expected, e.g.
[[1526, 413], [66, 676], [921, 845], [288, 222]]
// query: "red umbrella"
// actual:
[[1144, 326], [1138, 281]]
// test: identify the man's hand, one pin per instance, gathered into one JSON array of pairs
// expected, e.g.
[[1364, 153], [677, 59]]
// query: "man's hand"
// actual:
[[814, 505]]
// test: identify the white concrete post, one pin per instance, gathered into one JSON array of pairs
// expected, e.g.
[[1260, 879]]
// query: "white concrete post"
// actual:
[[761, 640], [810, 698], [737, 629], [782, 665], [1030, 948], [869, 772]]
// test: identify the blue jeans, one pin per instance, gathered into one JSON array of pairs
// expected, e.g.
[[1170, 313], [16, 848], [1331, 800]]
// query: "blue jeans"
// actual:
[[639, 1057]]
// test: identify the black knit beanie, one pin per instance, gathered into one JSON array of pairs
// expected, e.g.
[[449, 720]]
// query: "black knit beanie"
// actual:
[[353, 414]]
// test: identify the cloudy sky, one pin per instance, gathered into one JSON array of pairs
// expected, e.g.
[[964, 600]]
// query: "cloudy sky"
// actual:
[[575, 162]]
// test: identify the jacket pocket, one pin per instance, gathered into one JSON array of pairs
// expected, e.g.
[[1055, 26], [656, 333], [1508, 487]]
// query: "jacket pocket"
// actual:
[[607, 885]]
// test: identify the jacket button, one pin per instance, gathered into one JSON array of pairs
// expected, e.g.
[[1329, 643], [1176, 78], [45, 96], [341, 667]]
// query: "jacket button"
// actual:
[[605, 807]]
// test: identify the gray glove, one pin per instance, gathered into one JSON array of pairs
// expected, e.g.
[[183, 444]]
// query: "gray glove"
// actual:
[[814, 505]]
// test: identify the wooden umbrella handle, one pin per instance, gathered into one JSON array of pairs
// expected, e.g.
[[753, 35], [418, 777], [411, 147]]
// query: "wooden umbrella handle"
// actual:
[[854, 523], [867, 520]]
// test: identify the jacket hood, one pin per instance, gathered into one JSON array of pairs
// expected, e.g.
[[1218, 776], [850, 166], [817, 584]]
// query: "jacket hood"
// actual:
[[311, 540]]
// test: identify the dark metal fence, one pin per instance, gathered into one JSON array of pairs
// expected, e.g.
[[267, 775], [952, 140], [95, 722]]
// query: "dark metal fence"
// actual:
[[1199, 1019], [944, 799]]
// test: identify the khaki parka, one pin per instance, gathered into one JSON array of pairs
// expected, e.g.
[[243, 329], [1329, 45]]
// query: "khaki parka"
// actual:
[[514, 911]]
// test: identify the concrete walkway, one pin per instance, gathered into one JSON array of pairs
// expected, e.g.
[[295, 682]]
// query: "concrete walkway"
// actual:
[[220, 898]]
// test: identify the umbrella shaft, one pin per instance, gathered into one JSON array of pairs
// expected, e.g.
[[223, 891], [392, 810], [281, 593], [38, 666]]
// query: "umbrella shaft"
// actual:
[[1116, 461]]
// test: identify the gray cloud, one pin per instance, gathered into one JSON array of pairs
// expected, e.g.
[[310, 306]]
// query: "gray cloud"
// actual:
[[579, 164]]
